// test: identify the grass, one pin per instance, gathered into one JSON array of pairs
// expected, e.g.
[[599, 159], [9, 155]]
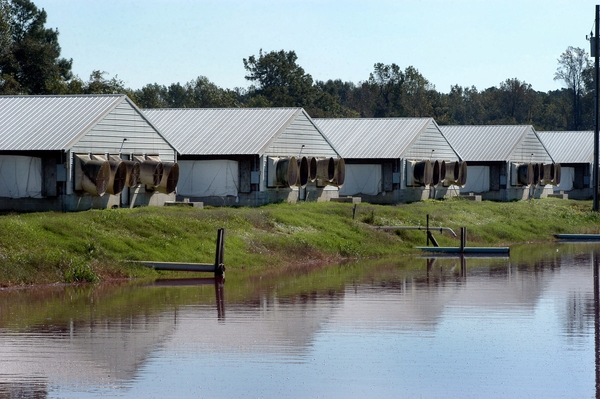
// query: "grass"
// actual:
[[96, 245]]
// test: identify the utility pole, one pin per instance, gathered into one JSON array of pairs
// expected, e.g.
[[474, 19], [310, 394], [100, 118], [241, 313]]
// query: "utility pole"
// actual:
[[594, 53]]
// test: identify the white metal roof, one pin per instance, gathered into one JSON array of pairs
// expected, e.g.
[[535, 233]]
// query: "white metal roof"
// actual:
[[50, 122], [485, 143], [377, 138], [569, 147], [221, 131]]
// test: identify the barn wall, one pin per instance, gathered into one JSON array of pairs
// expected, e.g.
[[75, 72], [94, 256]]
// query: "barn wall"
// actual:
[[124, 122], [431, 139], [301, 131], [530, 149]]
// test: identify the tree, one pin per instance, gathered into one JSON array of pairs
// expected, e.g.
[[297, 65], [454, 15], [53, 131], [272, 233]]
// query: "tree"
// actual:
[[518, 100], [388, 80], [98, 84], [30, 63], [8, 84], [574, 69], [151, 96], [280, 79], [202, 93], [418, 94], [5, 32]]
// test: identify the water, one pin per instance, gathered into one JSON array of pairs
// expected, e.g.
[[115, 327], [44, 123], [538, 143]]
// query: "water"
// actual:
[[417, 328]]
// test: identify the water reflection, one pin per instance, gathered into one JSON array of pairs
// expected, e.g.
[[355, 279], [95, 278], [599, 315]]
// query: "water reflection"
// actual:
[[217, 281], [509, 327], [596, 263]]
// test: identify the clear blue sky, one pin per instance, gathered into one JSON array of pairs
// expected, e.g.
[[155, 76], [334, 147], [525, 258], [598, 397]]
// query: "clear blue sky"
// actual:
[[465, 42]]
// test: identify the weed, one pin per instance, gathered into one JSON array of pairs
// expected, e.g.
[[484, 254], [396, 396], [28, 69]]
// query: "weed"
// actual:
[[81, 273], [49, 247]]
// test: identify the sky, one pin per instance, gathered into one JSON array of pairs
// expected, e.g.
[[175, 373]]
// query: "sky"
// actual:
[[477, 43]]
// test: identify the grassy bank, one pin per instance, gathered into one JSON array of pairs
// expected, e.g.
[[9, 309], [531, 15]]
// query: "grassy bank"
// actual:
[[95, 245]]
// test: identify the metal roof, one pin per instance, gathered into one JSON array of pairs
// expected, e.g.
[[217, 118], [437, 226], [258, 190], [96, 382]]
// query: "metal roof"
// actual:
[[377, 138], [221, 131], [569, 147], [50, 122], [485, 143]]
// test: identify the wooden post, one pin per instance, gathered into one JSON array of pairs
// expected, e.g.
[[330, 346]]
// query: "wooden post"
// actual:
[[430, 263], [220, 296], [219, 253], [595, 173], [427, 230], [463, 239], [596, 266]]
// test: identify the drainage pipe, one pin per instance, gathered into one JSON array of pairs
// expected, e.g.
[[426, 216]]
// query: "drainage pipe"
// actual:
[[440, 229]]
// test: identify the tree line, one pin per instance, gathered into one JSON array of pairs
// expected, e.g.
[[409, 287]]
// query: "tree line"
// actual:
[[30, 63]]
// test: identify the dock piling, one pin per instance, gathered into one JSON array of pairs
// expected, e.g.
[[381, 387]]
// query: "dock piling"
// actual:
[[219, 253], [218, 268]]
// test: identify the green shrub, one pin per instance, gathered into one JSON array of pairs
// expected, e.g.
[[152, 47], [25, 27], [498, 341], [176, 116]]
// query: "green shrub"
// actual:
[[81, 273]]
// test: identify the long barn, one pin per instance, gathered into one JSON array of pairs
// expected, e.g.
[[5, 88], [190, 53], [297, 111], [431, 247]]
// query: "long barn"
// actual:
[[394, 160], [247, 156], [574, 150], [503, 161], [69, 153]]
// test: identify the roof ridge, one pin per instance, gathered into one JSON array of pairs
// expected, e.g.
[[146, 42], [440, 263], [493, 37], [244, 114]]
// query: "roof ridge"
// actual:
[[222, 109], [60, 95], [379, 119]]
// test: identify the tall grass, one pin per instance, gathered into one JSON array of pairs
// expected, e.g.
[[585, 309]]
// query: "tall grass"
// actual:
[[97, 245]]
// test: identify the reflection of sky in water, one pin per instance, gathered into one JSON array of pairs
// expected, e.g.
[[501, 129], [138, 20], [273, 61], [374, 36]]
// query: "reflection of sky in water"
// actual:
[[514, 331]]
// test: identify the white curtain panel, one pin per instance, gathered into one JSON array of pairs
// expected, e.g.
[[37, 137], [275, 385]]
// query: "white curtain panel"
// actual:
[[478, 179], [20, 176], [362, 179], [567, 176], [215, 178]]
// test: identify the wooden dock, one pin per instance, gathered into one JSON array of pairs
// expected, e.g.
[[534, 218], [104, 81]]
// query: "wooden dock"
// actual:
[[218, 268], [578, 237], [180, 266], [463, 249], [467, 250]]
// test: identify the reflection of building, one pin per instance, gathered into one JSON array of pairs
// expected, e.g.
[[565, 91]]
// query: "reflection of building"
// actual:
[[420, 303], [576, 283], [270, 324], [112, 350], [100, 352]]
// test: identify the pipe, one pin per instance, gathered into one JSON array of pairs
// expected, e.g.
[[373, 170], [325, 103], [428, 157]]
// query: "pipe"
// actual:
[[435, 174], [440, 229], [118, 176], [340, 172], [286, 172], [303, 172], [169, 179], [312, 169], [595, 205]]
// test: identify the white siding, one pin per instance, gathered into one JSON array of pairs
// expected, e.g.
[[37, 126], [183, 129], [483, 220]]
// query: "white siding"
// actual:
[[301, 131], [430, 139], [124, 122], [530, 144]]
